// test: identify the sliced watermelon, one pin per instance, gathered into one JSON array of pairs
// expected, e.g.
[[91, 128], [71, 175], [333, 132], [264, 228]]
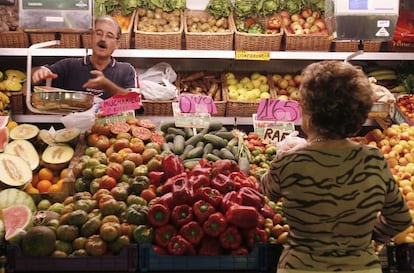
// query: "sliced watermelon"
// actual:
[[141, 132], [13, 196], [3, 121], [17, 219], [120, 127], [4, 138]]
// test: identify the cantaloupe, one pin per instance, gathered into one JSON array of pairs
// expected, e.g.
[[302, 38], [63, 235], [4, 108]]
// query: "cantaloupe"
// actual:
[[24, 131], [57, 157], [14, 171], [24, 149]]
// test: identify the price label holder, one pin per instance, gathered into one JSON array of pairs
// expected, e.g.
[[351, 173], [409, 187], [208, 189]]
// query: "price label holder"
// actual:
[[272, 131], [190, 120], [116, 118], [280, 110], [252, 55], [120, 103], [192, 103]]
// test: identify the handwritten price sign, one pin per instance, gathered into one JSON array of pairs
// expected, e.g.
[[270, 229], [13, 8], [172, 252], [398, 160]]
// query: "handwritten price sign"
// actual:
[[191, 103], [120, 103], [283, 110]]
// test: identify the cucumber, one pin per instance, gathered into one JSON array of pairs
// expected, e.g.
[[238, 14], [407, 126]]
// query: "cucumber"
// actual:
[[188, 132], [195, 153], [215, 125], [211, 157], [194, 139], [225, 135], [208, 148], [165, 147], [179, 143], [200, 144], [217, 141], [187, 149], [176, 131], [226, 154], [191, 163], [169, 137], [164, 126]]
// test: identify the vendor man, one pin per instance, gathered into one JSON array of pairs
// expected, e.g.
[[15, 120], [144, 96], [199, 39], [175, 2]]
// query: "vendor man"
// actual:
[[98, 73]]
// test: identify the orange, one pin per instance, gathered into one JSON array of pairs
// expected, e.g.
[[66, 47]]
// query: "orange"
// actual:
[[35, 180], [55, 188], [44, 185], [46, 174], [31, 190], [63, 173]]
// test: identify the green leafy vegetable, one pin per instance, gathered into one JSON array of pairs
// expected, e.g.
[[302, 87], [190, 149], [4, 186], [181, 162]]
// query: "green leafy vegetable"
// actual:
[[244, 8], [267, 7], [219, 8]]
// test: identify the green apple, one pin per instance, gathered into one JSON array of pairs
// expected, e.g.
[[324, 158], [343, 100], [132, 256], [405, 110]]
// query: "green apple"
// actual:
[[291, 89], [264, 88], [232, 87], [233, 94], [244, 80], [248, 85], [263, 78], [257, 92], [265, 95], [283, 97], [229, 76], [231, 81], [294, 95], [239, 85], [276, 77], [242, 97], [283, 83], [256, 83], [251, 95], [255, 75], [242, 91]]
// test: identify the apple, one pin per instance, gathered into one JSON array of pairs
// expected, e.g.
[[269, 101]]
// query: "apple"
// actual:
[[282, 92], [310, 20], [297, 79], [286, 21], [276, 77], [283, 97], [316, 14], [302, 22], [314, 29], [307, 25], [295, 95], [299, 31], [233, 94], [264, 88], [284, 14], [283, 83], [320, 23], [295, 17], [306, 13]]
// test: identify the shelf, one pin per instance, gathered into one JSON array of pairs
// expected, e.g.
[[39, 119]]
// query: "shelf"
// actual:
[[207, 54]]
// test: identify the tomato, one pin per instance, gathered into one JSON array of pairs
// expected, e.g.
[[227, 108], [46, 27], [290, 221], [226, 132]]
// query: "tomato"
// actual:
[[121, 127], [253, 135], [147, 123], [249, 22], [121, 143], [141, 132], [101, 192], [109, 231], [95, 246], [101, 129], [157, 138], [92, 139], [103, 143], [137, 145], [148, 194], [107, 182], [116, 170]]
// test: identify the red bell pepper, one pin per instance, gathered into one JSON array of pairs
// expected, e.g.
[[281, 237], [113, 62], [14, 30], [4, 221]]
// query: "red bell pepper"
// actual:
[[167, 200], [230, 238], [202, 210], [239, 251], [199, 170], [224, 166], [209, 246], [163, 234], [158, 215], [222, 183], [210, 195], [159, 250], [215, 224], [199, 181], [156, 178], [172, 165], [242, 216], [256, 235], [251, 197], [181, 215], [229, 199], [204, 163], [182, 191], [274, 23], [192, 232], [241, 180], [267, 211], [178, 245], [168, 185]]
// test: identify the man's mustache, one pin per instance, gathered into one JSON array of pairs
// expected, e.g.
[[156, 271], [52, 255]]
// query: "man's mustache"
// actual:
[[102, 44]]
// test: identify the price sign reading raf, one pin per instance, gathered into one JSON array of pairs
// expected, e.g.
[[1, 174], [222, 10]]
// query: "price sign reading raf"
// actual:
[[281, 110]]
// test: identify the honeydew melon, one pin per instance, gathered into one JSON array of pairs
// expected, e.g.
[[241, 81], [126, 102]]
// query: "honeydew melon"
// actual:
[[14, 171], [58, 156], [24, 149], [24, 131]]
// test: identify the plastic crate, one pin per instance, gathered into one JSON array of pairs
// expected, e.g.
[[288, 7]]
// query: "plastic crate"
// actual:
[[126, 261], [257, 260]]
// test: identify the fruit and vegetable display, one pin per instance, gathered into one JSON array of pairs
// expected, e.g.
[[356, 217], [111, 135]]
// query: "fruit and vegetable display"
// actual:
[[9, 18], [11, 80], [201, 83], [252, 87]]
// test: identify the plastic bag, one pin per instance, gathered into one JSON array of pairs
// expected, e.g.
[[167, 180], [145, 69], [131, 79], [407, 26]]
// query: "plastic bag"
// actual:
[[81, 120], [157, 82], [290, 142]]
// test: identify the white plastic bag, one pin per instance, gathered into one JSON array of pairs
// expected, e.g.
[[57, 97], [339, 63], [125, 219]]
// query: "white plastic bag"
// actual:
[[290, 142], [81, 120], [157, 82]]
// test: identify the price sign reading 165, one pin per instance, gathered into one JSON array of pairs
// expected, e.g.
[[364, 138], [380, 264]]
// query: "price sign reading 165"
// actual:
[[282, 110]]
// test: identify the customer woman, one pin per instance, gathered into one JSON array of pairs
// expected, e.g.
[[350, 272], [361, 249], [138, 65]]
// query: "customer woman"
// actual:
[[337, 195]]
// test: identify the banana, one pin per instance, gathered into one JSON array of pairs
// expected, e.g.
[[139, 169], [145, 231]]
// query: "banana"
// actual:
[[398, 89], [376, 73], [1, 106], [4, 98], [383, 77]]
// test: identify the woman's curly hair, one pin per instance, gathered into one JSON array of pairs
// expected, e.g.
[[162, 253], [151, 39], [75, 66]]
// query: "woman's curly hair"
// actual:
[[337, 96]]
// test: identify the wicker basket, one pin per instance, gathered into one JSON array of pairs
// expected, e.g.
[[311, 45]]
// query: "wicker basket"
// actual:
[[17, 103], [220, 104], [16, 39], [67, 40], [125, 36], [236, 108], [397, 46], [158, 108], [352, 46], [307, 42], [158, 40], [257, 42], [207, 40]]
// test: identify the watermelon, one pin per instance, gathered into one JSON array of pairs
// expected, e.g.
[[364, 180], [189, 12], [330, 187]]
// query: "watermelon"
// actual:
[[17, 220], [13, 196], [4, 138], [3, 121]]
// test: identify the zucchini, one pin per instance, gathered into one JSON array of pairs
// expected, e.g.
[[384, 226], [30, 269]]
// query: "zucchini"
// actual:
[[211, 157], [217, 141], [226, 154], [187, 149], [208, 148], [179, 143], [176, 131]]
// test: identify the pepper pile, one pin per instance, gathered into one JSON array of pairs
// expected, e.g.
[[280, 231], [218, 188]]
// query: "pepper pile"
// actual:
[[212, 209]]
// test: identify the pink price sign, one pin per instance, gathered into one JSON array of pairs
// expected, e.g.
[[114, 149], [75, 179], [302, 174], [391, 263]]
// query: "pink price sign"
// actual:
[[280, 110], [120, 103], [192, 103]]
